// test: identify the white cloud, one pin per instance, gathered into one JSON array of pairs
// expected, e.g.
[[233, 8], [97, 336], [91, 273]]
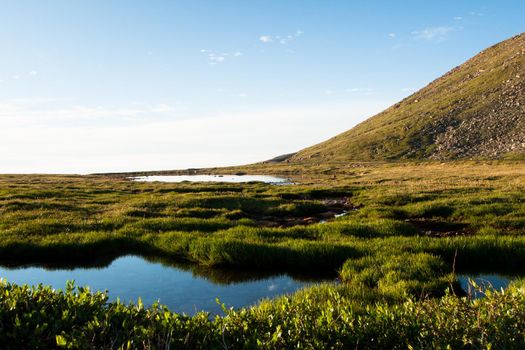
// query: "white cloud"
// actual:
[[215, 57], [361, 89], [265, 38], [458, 18], [281, 39], [437, 34], [33, 73], [392, 35]]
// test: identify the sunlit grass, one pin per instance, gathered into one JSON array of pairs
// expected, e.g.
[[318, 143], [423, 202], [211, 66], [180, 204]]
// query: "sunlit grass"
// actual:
[[408, 228]]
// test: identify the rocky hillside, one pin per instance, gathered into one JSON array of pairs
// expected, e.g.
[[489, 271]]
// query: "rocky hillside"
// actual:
[[476, 110]]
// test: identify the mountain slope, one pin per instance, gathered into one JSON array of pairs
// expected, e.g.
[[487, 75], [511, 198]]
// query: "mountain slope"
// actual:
[[476, 110]]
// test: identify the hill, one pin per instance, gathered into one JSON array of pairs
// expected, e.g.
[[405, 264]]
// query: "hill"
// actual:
[[477, 110]]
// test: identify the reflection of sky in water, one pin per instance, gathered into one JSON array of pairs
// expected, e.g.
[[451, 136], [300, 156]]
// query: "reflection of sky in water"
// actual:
[[272, 287], [484, 281], [132, 277], [286, 286]]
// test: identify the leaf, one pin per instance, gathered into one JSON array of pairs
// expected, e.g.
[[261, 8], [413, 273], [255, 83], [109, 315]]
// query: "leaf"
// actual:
[[61, 341]]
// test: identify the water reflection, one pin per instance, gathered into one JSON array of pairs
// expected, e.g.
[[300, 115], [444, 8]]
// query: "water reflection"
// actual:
[[214, 178], [183, 287], [483, 282]]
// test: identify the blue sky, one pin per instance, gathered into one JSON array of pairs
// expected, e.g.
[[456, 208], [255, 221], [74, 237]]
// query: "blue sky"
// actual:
[[114, 85]]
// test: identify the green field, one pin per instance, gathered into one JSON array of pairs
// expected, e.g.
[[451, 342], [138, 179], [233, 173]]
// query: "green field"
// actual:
[[410, 228]]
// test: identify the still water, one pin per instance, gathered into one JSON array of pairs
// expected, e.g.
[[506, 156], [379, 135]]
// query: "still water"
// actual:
[[484, 282], [215, 178], [184, 288]]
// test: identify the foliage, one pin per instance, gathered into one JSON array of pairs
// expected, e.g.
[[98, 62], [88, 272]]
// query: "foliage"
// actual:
[[322, 317]]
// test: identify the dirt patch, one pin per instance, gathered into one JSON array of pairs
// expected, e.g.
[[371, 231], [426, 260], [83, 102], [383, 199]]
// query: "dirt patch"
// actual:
[[335, 207], [439, 229]]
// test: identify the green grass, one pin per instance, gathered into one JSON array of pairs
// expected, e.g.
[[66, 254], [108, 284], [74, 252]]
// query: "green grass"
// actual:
[[409, 227]]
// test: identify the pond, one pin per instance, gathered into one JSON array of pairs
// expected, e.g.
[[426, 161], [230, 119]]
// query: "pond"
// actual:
[[184, 288], [484, 281], [215, 178]]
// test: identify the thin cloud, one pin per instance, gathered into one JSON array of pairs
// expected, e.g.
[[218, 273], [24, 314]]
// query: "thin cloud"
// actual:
[[478, 14], [225, 92], [458, 18], [215, 57], [436, 34], [392, 35], [35, 100], [44, 111], [281, 39], [30, 74], [265, 38], [361, 90]]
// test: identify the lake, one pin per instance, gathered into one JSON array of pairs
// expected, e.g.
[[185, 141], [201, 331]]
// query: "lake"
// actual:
[[215, 178], [183, 288]]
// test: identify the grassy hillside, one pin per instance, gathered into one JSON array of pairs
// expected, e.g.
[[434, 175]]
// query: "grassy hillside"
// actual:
[[476, 110]]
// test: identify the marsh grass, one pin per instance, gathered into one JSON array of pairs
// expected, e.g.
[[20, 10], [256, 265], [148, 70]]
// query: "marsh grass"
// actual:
[[408, 228]]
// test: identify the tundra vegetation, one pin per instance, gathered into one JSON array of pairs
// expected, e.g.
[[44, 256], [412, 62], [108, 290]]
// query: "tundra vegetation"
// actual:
[[409, 229]]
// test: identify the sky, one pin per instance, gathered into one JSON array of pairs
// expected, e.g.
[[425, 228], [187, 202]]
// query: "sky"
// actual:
[[92, 86]]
